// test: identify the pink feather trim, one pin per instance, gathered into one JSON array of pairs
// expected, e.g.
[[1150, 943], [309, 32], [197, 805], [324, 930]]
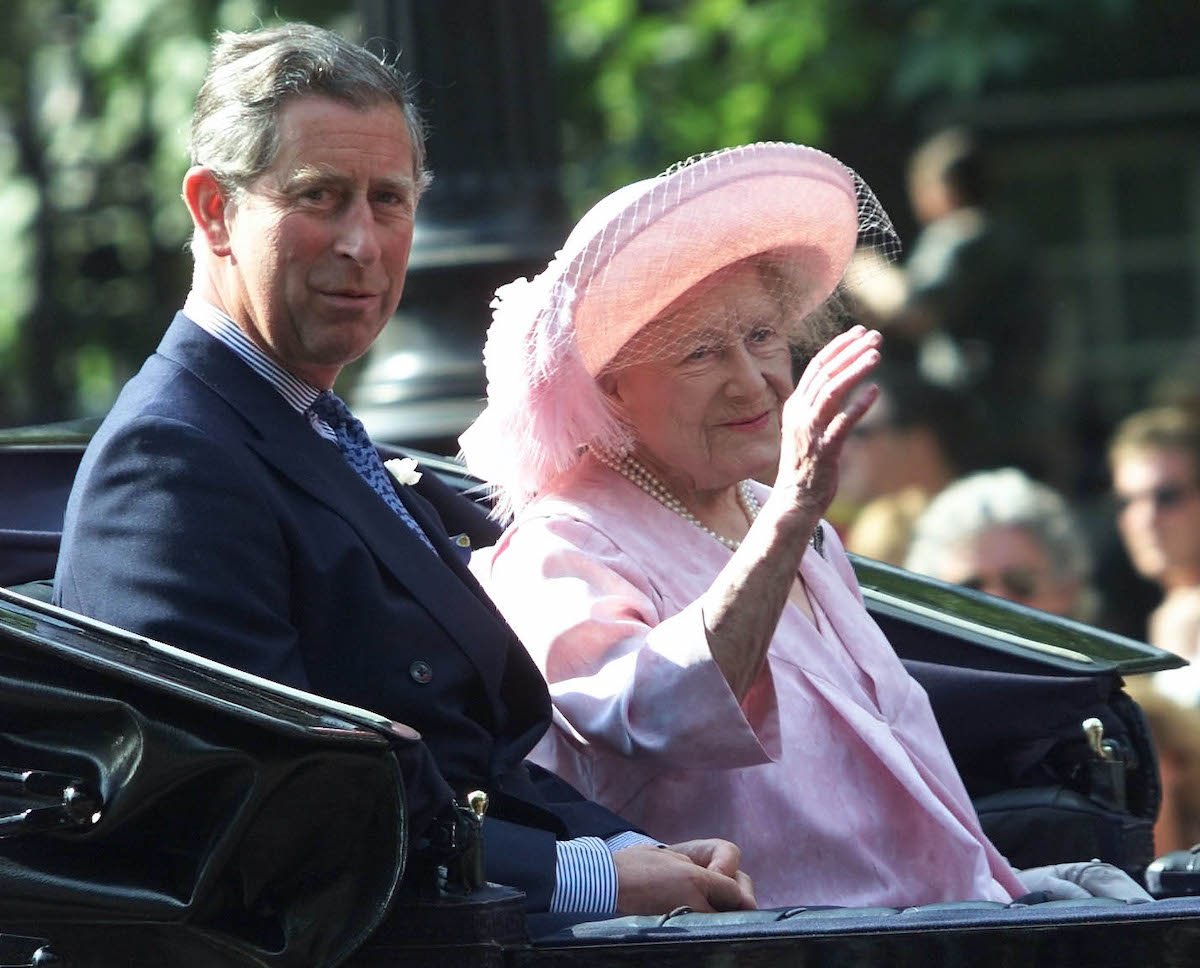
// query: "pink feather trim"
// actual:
[[543, 407]]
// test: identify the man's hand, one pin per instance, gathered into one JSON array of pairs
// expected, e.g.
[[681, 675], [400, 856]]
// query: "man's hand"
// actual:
[[700, 874], [721, 856]]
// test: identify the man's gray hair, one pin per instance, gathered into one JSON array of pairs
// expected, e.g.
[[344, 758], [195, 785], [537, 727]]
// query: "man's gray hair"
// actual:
[[1003, 498], [251, 76]]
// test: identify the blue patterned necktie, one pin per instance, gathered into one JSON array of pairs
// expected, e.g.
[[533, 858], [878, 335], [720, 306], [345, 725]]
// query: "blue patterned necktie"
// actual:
[[360, 453]]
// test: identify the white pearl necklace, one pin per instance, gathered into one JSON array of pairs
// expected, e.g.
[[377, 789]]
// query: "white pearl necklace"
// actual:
[[635, 472]]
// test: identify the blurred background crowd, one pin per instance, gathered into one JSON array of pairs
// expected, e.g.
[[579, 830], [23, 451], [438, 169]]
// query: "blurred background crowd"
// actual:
[[1038, 435]]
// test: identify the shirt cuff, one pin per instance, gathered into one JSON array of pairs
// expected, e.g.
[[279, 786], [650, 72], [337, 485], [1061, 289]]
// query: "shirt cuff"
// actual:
[[629, 838], [585, 877]]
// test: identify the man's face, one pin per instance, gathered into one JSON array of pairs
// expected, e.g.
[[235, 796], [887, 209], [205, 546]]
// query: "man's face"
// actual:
[[319, 243], [1159, 517]]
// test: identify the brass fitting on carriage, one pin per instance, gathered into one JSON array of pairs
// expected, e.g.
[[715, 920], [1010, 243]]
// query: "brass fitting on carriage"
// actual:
[[1106, 766], [452, 855]]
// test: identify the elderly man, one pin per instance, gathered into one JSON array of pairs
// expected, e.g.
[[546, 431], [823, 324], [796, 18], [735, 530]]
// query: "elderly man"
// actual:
[[232, 506], [1154, 458]]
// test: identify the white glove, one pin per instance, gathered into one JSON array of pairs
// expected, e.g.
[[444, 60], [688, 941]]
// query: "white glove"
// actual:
[[1082, 879]]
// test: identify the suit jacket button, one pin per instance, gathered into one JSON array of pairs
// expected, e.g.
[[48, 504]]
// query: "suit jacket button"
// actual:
[[421, 672]]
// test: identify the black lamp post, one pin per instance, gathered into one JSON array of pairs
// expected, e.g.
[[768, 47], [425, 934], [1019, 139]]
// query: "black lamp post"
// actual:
[[494, 211]]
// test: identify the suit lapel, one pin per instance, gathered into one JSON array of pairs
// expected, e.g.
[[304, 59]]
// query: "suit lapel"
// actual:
[[426, 514], [285, 440]]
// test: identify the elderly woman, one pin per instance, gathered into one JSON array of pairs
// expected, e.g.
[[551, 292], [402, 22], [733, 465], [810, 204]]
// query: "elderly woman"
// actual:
[[1003, 533], [710, 660]]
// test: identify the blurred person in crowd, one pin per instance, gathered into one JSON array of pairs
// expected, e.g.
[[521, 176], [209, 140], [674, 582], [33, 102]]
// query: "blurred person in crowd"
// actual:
[[973, 317], [1154, 459], [1129, 595], [1001, 532], [914, 440], [883, 528], [1126, 597], [1175, 729]]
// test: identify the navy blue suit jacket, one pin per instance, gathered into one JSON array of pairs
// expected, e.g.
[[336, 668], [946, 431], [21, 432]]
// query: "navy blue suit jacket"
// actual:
[[208, 514]]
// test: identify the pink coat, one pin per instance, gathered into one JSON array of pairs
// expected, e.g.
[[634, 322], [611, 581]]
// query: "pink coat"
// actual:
[[831, 774]]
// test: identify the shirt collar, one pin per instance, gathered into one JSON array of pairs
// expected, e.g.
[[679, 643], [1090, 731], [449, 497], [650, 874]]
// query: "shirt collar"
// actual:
[[298, 394]]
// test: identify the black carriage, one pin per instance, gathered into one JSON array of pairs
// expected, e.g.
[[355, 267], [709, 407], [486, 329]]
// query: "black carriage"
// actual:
[[162, 809]]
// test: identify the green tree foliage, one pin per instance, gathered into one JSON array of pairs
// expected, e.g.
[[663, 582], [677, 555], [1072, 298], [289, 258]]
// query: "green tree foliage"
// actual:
[[647, 83], [95, 97]]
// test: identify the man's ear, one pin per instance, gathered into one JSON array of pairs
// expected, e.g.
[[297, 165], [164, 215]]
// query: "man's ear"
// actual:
[[207, 201]]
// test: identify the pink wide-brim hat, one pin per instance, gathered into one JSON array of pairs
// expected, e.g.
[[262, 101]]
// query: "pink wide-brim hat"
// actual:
[[629, 258]]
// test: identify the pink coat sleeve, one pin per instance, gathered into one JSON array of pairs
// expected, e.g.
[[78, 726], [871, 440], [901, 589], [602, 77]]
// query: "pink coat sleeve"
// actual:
[[624, 674]]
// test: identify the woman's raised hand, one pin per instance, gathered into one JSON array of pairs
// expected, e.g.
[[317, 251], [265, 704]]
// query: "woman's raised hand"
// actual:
[[819, 414], [741, 608]]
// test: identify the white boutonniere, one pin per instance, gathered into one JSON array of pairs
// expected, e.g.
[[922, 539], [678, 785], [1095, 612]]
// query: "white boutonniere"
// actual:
[[404, 469]]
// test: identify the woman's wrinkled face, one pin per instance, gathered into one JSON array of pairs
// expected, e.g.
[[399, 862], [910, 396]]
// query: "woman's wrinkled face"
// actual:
[[706, 408]]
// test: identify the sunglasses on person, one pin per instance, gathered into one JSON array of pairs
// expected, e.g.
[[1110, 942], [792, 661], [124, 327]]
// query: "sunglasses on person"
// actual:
[[1019, 584], [1165, 497]]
